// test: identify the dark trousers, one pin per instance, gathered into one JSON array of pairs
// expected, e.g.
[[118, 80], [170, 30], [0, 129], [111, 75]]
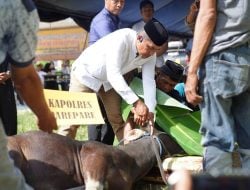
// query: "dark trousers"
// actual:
[[65, 86], [8, 111], [102, 133], [50, 82], [105, 133]]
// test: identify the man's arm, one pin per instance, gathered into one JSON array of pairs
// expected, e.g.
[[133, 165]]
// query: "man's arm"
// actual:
[[203, 33], [149, 86], [27, 82]]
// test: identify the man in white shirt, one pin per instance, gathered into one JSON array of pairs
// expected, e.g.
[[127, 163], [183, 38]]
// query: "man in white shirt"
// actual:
[[102, 65], [147, 13]]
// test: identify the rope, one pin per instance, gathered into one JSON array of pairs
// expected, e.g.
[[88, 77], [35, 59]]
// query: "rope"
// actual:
[[154, 140], [121, 141], [159, 143], [157, 154]]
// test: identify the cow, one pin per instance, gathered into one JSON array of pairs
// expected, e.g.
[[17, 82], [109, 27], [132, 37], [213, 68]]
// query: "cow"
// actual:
[[55, 162]]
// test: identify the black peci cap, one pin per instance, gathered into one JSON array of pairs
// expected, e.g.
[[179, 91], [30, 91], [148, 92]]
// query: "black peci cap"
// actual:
[[173, 70], [156, 32]]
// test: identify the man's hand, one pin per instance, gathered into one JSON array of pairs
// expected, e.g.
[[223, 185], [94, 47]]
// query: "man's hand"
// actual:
[[140, 111], [191, 88], [29, 85], [47, 122], [3, 77]]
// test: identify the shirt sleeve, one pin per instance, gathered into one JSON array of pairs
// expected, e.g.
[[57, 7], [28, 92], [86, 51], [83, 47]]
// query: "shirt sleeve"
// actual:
[[115, 63], [23, 41], [149, 86]]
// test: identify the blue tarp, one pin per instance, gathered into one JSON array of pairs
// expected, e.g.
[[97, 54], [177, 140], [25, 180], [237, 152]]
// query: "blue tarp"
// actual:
[[170, 12]]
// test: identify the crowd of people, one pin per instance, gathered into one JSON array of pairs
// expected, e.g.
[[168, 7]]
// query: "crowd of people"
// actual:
[[216, 81], [54, 79]]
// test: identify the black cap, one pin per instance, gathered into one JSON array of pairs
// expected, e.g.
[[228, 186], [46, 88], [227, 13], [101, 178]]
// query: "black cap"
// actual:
[[156, 32], [173, 70]]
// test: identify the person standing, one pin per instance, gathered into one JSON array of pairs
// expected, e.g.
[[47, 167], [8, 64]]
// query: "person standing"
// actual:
[[65, 70], [50, 79], [19, 25], [219, 80], [40, 72], [105, 22], [119, 53], [147, 13]]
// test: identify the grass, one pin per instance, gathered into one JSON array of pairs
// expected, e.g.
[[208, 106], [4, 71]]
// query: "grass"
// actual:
[[27, 122]]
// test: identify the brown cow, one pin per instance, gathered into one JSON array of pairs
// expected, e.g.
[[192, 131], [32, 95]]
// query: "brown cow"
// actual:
[[54, 162]]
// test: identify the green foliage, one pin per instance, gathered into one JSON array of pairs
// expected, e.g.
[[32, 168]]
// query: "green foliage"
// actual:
[[182, 126], [82, 133], [26, 121]]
